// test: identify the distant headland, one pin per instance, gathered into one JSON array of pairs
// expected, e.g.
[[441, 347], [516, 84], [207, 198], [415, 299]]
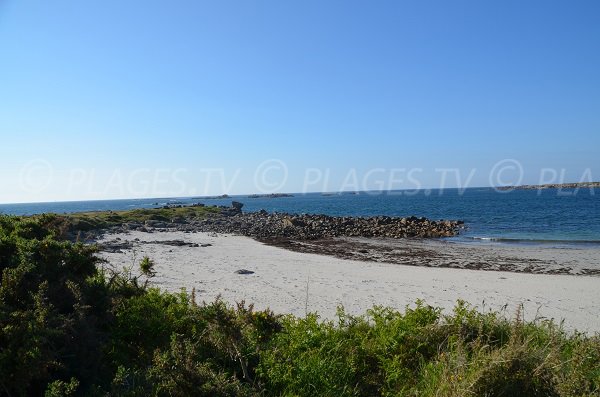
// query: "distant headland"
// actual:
[[576, 185]]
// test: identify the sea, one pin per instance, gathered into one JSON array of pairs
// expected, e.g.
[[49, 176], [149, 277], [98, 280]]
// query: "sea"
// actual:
[[551, 217]]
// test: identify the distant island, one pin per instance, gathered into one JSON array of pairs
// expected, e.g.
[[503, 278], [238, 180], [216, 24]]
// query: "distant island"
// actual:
[[221, 197], [576, 185], [272, 195]]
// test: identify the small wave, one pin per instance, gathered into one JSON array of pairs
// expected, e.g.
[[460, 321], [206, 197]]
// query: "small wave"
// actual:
[[532, 240]]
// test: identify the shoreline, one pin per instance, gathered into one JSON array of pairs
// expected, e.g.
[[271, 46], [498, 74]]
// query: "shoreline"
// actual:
[[446, 253], [282, 279]]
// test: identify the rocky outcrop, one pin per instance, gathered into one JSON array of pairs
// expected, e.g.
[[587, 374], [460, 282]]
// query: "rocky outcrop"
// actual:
[[235, 209], [266, 226], [236, 205]]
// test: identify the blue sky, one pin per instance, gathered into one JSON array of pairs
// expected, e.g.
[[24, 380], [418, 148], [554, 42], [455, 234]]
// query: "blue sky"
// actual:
[[110, 99]]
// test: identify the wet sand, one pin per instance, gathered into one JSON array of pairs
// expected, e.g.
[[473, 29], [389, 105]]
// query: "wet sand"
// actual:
[[522, 258]]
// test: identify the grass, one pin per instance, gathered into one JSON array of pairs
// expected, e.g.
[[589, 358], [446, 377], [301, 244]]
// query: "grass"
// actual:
[[90, 221]]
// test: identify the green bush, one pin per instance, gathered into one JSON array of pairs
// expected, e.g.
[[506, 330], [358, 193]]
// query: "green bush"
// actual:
[[44, 308]]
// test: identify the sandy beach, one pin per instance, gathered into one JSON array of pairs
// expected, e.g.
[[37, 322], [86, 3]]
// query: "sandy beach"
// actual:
[[294, 282]]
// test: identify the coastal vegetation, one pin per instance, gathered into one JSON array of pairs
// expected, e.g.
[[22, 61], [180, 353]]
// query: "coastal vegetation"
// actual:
[[74, 224], [69, 325]]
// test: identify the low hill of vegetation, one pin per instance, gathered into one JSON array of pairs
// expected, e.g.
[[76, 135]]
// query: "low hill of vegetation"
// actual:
[[73, 225]]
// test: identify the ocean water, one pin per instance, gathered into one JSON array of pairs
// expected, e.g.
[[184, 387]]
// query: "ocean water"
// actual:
[[550, 216]]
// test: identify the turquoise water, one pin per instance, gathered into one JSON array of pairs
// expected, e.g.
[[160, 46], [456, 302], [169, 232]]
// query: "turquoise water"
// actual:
[[527, 216]]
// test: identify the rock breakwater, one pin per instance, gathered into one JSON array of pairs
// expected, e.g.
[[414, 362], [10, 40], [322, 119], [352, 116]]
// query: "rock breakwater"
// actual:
[[266, 226]]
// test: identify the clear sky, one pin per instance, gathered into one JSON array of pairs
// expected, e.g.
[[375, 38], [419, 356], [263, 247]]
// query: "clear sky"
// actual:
[[107, 99]]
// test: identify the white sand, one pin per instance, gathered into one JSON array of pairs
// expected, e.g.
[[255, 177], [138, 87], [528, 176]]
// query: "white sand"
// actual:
[[282, 277]]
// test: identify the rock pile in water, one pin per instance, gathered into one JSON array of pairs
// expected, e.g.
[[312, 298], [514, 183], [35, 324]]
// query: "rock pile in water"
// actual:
[[262, 225], [267, 226]]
